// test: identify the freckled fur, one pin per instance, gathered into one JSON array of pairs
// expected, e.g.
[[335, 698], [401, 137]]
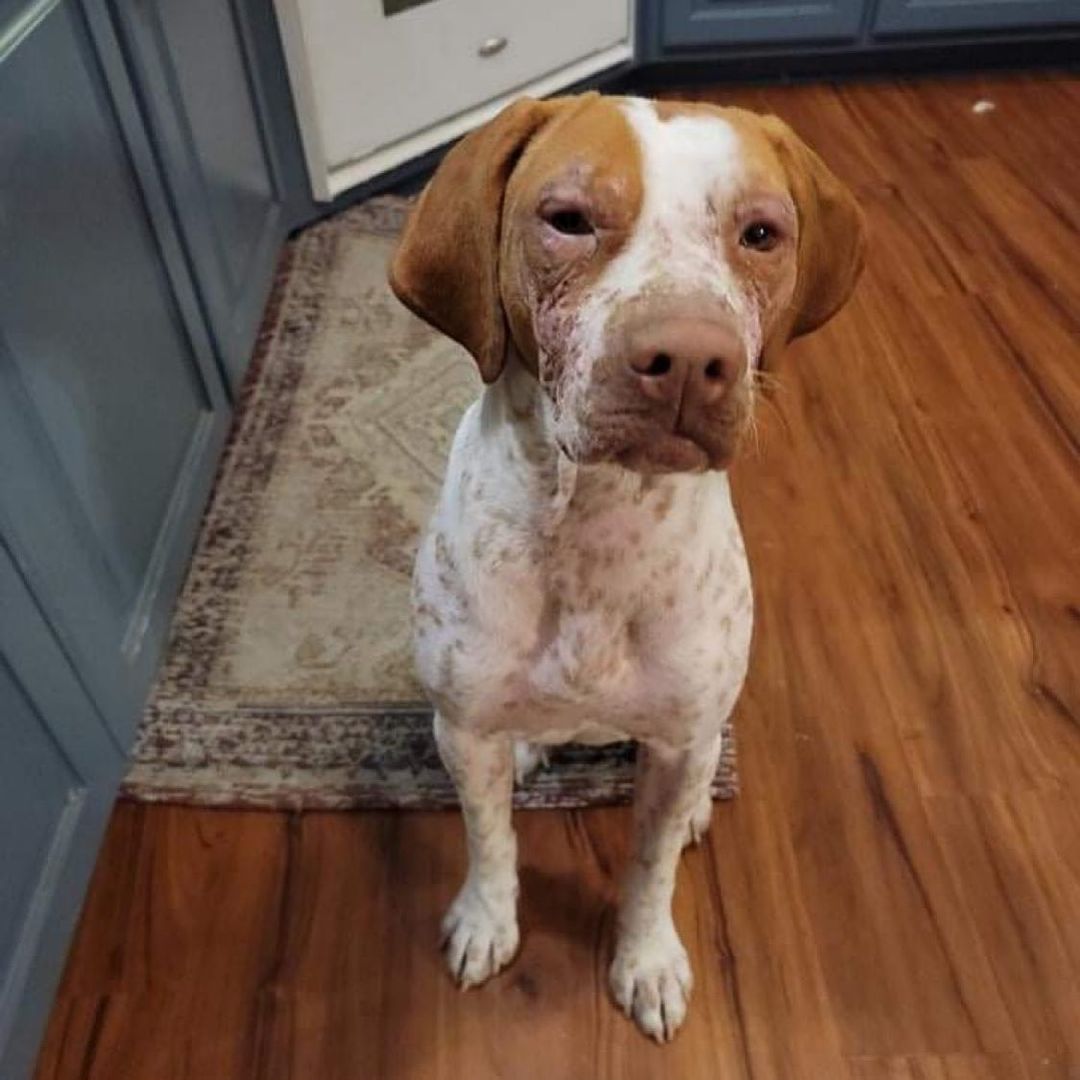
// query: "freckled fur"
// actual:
[[596, 630], [558, 594]]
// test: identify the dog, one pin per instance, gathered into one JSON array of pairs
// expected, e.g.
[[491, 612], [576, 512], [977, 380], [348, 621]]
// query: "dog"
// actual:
[[620, 270]]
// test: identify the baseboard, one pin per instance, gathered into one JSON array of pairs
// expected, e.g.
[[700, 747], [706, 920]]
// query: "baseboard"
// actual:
[[957, 57]]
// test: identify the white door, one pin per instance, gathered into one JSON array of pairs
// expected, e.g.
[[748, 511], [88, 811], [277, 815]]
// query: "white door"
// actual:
[[379, 81]]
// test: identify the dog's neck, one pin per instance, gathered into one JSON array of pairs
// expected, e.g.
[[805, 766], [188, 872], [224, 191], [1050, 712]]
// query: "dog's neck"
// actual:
[[516, 411]]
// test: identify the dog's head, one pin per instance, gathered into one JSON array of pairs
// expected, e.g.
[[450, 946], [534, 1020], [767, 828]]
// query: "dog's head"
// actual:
[[643, 257]]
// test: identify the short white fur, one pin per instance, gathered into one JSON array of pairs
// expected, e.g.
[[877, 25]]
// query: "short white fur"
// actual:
[[688, 162]]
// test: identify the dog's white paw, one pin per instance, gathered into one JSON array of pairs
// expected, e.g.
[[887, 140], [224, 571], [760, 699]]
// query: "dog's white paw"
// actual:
[[651, 980], [528, 757], [699, 821], [480, 936]]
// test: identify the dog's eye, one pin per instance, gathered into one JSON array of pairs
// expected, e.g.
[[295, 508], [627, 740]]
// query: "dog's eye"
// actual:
[[759, 236], [570, 223]]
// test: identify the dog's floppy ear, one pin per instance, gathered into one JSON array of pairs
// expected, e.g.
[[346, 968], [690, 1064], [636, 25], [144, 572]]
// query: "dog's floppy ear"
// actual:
[[446, 266], [831, 238]]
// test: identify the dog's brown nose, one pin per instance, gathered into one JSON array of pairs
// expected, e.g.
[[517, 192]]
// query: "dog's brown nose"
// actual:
[[686, 358]]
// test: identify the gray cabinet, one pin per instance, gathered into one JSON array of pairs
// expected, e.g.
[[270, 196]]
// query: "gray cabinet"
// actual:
[[112, 409], [826, 36], [687, 23], [58, 770], [203, 90], [900, 17], [139, 225]]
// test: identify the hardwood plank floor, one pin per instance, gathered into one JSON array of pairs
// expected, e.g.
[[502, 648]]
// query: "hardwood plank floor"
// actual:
[[896, 893]]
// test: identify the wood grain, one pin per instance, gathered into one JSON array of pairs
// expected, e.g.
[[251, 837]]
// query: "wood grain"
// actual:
[[896, 893]]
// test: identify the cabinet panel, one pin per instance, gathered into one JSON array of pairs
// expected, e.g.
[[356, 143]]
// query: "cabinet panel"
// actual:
[[111, 409], [112, 414], [201, 89], [85, 336], [937, 16], [701, 23], [58, 772], [39, 788]]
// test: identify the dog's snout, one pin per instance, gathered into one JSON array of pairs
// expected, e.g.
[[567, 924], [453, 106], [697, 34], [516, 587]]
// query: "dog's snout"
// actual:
[[675, 359]]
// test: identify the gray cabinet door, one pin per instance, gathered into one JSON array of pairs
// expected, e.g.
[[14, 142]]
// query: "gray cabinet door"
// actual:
[[58, 770], [112, 410], [936, 16], [702, 23], [195, 64]]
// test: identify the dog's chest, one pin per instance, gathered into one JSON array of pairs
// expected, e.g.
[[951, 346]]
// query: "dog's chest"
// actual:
[[621, 610]]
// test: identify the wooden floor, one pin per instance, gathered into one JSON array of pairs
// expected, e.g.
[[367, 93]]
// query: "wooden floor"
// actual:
[[896, 893]]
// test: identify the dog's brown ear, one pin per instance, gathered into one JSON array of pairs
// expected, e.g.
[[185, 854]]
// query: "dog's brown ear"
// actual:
[[832, 235], [446, 266]]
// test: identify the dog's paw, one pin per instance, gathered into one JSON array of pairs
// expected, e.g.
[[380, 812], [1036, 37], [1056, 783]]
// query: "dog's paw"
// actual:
[[651, 981], [699, 821], [479, 937], [528, 757]]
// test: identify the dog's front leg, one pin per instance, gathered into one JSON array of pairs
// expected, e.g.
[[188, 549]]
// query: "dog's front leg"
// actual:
[[650, 975], [480, 932]]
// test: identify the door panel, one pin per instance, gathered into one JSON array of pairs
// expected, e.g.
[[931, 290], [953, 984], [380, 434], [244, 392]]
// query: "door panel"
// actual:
[[936, 16], [212, 89], [58, 771], [37, 779], [77, 328], [689, 23], [111, 410], [194, 63]]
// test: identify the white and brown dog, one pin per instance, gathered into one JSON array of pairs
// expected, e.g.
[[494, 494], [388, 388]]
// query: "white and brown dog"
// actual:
[[620, 269]]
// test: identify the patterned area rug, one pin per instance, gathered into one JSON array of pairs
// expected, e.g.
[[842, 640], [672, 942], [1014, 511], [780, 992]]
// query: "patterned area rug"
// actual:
[[288, 681]]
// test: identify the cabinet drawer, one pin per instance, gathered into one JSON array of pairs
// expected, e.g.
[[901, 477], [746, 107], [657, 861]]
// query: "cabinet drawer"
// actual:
[[716, 23], [383, 70], [896, 17]]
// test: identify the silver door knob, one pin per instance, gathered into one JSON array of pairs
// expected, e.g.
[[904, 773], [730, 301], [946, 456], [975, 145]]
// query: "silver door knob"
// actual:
[[492, 46]]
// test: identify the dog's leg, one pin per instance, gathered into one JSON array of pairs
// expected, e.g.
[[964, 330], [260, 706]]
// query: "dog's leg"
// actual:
[[528, 757], [480, 932], [702, 815], [650, 975]]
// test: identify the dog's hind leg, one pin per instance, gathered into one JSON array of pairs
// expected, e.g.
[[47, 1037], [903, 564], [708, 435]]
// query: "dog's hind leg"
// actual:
[[701, 818], [528, 757], [480, 931]]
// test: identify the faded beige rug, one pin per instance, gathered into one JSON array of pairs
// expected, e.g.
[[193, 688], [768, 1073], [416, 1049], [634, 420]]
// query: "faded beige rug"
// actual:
[[288, 680]]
